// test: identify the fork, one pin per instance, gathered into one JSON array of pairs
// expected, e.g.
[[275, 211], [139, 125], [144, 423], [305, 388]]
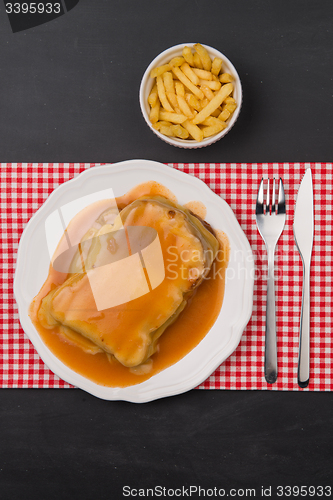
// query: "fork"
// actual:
[[270, 218]]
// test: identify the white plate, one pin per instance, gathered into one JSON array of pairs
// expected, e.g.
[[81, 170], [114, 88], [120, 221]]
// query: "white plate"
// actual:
[[33, 263]]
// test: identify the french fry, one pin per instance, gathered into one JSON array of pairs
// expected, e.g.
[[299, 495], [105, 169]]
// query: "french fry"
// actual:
[[184, 107], [179, 131], [162, 95], [225, 78], [155, 112], [180, 90], [188, 56], [183, 78], [203, 74], [168, 82], [210, 121], [193, 130], [176, 61], [193, 101], [212, 84], [224, 115], [204, 56], [229, 99], [216, 66], [230, 106], [167, 130], [172, 117], [187, 70], [197, 61], [160, 123], [153, 96], [214, 103], [204, 102], [216, 113], [207, 91], [214, 129], [159, 70], [172, 98]]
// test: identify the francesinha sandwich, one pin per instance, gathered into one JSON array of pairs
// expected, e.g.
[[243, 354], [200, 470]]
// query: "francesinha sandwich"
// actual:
[[131, 277]]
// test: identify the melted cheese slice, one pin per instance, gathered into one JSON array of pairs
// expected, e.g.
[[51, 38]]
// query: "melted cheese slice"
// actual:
[[133, 280]]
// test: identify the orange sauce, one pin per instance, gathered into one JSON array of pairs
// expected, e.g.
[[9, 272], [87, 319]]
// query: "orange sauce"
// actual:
[[179, 338]]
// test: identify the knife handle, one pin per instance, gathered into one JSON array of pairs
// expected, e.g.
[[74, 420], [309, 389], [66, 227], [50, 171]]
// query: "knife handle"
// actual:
[[304, 340], [271, 368]]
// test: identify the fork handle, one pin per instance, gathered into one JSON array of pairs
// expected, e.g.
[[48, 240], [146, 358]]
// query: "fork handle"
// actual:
[[304, 341], [271, 368]]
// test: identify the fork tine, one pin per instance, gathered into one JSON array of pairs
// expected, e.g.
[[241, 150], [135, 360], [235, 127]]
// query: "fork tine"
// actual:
[[267, 199], [281, 199], [273, 197], [260, 198]]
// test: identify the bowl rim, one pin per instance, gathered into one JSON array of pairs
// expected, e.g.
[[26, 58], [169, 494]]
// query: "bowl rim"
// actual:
[[185, 143]]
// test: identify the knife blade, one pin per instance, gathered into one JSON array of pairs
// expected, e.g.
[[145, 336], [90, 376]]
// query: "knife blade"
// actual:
[[303, 235]]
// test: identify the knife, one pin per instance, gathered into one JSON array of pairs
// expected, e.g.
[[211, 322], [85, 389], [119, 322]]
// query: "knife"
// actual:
[[303, 235]]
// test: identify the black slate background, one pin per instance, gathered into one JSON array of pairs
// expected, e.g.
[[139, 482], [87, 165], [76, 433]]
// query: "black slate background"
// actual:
[[69, 92]]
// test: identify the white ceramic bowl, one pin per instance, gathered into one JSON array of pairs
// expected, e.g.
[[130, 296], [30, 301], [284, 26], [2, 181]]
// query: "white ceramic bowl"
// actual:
[[147, 84]]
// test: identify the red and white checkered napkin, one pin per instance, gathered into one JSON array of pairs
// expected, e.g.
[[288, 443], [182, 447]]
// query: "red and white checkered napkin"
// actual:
[[25, 187]]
